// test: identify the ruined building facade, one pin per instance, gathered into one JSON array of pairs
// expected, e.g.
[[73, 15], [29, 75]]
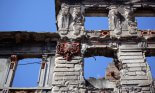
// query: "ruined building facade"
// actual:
[[63, 53]]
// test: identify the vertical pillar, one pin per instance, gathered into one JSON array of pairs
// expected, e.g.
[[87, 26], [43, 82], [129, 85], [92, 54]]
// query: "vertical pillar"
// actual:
[[11, 71], [46, 71], [51, 64], [43, 71], [4, 67], [68, 71], [135, 76]]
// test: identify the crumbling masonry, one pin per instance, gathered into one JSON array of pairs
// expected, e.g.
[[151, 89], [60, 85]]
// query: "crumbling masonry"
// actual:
[[63, 53]]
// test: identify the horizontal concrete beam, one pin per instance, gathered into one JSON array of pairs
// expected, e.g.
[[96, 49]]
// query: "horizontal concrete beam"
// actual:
[[27, 36]]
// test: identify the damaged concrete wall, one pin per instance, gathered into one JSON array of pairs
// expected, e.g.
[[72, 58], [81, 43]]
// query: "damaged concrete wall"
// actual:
[[135, 73], [123, 42], [12, 51], [68, 75], [62, 53]]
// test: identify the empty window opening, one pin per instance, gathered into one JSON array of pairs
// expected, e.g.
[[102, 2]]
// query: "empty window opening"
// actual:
[[96, 66], [96, 23], [27, 73], [151, 62], [146, 23]]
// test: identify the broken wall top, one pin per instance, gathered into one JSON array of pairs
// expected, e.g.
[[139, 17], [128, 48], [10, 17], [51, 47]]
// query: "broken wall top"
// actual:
[[101, 7]]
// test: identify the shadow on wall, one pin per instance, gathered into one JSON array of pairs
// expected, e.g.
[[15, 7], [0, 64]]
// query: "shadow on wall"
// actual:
[[27, 73], [96, 66]]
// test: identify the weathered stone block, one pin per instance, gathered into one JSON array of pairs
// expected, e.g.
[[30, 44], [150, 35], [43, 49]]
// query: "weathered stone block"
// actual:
[[75, 82], [54, 82], [133, 61], [64, 88], [134, 77], [135, 69], [78, 67], [74, 58], [140, 73], [131, 73], [67, 73], [64, 69], [55, 89], [131, 50], [64, 65], [58, 61], [139, 82], [65, 77], [130, 53], [145, 92], [136, 65], [82, 90], [145, 88], [63, 82], [129, 46], [130, 57]]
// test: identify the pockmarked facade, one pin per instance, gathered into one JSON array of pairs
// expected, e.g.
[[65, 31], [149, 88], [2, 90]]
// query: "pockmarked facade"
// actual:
[[63, 53]]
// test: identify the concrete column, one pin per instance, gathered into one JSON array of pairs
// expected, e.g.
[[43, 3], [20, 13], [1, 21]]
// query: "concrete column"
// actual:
[[11, 70], [46, 71], [43, 71], [135, 76], [68, 74], [51, 64]]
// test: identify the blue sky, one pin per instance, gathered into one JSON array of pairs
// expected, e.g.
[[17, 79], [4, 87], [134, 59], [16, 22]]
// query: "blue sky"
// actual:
[[39, 16]]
